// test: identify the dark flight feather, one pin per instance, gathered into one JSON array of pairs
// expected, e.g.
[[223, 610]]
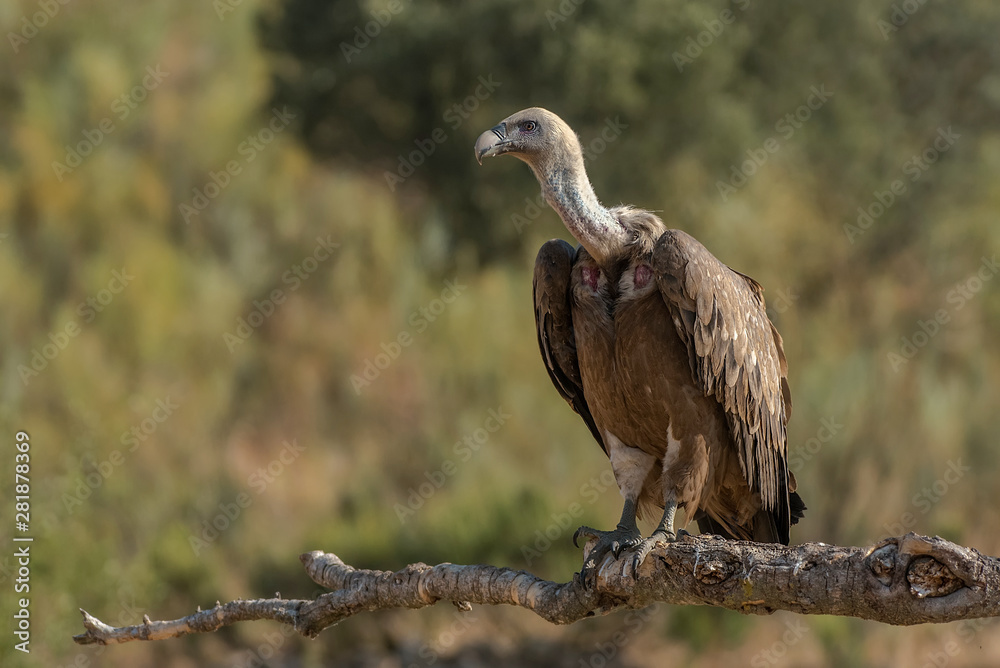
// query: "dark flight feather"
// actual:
[[554, 324], [739, 360]]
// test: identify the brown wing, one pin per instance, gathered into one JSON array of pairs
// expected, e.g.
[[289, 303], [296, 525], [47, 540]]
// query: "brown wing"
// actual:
[[554, 322], [736, 355]]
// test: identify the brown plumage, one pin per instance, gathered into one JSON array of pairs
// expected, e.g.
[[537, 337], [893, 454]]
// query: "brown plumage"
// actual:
[[665, 352]]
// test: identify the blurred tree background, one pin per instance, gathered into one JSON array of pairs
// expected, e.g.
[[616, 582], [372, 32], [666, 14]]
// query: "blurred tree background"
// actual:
[[259, 299]]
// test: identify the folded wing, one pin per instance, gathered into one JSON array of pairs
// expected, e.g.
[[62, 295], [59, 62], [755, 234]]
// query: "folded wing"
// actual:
[[554, 323], [736, 356]]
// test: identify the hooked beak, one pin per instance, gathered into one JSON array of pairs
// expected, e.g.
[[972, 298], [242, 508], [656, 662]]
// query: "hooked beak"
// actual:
[[492, 142]]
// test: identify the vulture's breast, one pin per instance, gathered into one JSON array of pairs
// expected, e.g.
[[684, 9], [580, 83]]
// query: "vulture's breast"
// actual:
[[635, 369]]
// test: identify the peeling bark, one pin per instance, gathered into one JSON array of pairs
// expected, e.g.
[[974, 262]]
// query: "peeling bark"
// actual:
[[912, 579]]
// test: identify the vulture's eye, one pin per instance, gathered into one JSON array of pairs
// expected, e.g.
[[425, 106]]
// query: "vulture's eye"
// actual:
[[529, 126]]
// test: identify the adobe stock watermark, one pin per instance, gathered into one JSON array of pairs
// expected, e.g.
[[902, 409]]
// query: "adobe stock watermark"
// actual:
[[533, 206], [60, 339], [248, 150], [464, 450], [786, 126], [87, 484], [605, 651], [783, 299], [267, 650], [914, 168], [419, 320], [454, 116], [795, 630], [230, 511], [363, 35], [797, 457], [140, 432], [294, 277], [695, 45], [609, 134], [566, 9], [223, 7], [563, 522], [928, 497], [956, 299], [431, 652], [121, 108], [899, 17], [31, 25], [966, 631]]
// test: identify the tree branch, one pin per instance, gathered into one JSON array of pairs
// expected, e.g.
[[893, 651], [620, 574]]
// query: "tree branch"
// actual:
[[908, 580]]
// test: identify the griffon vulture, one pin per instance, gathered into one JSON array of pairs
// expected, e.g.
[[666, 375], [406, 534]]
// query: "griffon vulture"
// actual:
[[665, 352]]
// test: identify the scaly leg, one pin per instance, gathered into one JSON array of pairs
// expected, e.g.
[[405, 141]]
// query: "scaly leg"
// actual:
[[624, 537], [663, 535]]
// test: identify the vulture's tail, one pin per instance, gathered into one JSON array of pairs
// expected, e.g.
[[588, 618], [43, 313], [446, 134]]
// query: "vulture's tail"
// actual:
[[772, 526], [762, 529], [707, 525], [765, 527], [798, 507]]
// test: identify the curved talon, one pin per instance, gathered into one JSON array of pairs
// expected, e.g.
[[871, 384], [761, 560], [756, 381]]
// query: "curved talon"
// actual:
[[584, 531], [617, 541], [646, 546]]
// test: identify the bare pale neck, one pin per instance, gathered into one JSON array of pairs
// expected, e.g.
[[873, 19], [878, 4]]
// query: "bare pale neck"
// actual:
[[568, 191]]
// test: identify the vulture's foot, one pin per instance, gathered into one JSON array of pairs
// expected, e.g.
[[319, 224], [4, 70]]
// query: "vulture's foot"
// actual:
[[616, 542], [658, 538]]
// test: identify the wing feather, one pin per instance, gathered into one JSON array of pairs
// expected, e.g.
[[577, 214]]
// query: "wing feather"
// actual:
[[736, 355], [554, 324]]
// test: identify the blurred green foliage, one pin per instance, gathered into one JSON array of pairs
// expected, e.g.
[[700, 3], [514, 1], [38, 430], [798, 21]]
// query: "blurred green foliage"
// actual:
[[220, 184]]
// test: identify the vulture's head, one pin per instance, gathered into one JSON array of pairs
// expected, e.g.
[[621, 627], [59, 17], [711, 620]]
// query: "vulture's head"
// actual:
[[536, 136]]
